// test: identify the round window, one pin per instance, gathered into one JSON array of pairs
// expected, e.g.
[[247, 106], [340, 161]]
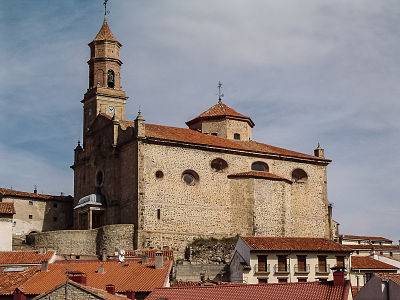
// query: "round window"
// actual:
[[190, 177], [99, 178], [219, 164], [159, 174]]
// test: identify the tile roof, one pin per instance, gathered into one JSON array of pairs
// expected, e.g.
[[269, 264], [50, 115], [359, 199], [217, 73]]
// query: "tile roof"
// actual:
[[150, 253], [220, 110], [293, 244], [365, 238], [389, 276], [128, 276], [189, 136], [105, 33], [7, 208], [272, 291], [259, 175], [98, 292], [9, 281], [24, 257], [366, 262], [12, 193]]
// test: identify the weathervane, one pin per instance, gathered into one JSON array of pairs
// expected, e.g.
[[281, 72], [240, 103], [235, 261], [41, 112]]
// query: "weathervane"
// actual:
[[220, 94], [106, 12]]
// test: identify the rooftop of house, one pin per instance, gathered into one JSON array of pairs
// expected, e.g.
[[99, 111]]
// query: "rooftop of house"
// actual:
[[130, 275], [25, 257], [102, 294], [275, 291], [365, 238], [11, 278], [389, 276], [218, 111], [368, 263], [7, 208], [374, 247], [33, 196], [294, 244]]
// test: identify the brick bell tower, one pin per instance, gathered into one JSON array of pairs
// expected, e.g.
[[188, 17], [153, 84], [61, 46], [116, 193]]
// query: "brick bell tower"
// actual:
[[105, 94]]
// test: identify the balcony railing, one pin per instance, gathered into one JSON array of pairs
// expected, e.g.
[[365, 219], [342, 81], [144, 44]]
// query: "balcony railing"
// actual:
[[302, 269], [279, 269], [322, 270], [261, 269]]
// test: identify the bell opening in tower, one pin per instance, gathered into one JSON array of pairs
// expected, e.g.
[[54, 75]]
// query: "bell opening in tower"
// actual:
[[110, 79]]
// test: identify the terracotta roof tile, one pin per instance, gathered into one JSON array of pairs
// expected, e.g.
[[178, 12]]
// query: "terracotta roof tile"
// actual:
[[128, 276], [272, 291], [293, 244], [220, 110], [9, 281], [105, 33], [389, 276], [189, 136], [259, 175], [13, 193], [365, 238], [24, 257], [366, 262], [7, 208]]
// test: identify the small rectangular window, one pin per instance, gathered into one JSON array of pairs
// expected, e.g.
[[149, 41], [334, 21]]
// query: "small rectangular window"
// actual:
[[158, 214], [282, 280], [55, 219], [30, 216], [340, 261], [301, 279], [214, 133], [262, 280], [236, 136], [30, 202], [55, 205]]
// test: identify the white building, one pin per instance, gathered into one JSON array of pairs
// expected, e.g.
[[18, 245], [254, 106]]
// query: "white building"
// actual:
[[7, 212], [276, 259]]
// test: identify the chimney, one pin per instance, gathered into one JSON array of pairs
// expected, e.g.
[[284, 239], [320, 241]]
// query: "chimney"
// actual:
[[103, 255], [159, 260], [131, 295], [78, 277], [18, 295], [145, 259], [139, 126], [101, 270], [45, 266], [319, 152], [35, 189], [110, 288], [338, 276]]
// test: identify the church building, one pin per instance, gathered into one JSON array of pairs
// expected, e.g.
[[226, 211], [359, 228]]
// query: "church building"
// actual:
[[206, 179]]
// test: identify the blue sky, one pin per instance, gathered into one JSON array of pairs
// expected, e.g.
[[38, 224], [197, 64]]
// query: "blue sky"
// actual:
[[305, 71]]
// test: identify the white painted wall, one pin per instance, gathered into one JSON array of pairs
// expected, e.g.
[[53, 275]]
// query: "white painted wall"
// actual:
[[5, 234]]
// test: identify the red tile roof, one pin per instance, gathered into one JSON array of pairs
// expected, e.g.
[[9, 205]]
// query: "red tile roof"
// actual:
[[105, 33], [33, 196], [366, 262], [365, 238], [7, 208], [150, 253], [128, 276], [24, 257], [259, 175], [9, 281], [220, 110], [293, 244], [193, 137], [274, 291], [389, 276]]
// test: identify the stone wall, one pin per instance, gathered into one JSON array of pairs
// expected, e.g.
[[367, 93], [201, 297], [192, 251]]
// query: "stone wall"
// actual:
[[87, 242], [5, 234], [213, 205], [69, 291]]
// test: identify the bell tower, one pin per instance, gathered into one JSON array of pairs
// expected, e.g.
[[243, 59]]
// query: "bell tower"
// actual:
[[105, 94]]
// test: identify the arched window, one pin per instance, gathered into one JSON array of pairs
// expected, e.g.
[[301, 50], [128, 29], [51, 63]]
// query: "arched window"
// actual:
[[110, 79], [218, 164], [299, 175], [236, 136], [260, 166], [190, 177]]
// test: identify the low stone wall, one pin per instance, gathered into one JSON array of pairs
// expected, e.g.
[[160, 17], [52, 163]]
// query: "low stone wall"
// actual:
[[201, 272], [87, 242]]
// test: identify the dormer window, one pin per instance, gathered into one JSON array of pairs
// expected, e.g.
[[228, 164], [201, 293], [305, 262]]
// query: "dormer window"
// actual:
[[236, 136], [110, 79]]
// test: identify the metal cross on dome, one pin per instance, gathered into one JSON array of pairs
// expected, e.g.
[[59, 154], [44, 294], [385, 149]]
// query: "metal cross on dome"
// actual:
[[220, 94], [106, 12]]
